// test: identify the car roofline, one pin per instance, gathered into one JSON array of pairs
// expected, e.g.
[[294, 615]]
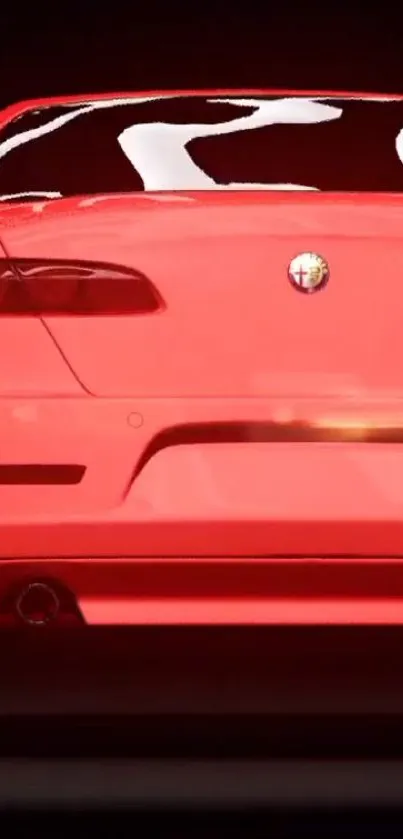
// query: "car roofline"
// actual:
[[19, 107]]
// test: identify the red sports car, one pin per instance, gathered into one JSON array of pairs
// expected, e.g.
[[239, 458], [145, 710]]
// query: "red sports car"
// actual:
[[201, 386]]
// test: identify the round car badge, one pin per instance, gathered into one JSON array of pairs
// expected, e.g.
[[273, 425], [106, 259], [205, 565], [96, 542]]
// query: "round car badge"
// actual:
[[308, 272]]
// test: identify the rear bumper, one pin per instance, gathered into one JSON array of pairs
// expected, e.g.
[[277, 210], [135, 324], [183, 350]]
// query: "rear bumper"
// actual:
[[199, 478], [216, 591], [200, 531]]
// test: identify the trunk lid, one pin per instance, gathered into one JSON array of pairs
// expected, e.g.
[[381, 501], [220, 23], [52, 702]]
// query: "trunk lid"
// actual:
[[233, 324]]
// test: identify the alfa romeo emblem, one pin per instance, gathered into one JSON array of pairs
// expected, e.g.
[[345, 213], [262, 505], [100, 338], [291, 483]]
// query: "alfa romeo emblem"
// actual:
[[308, 272]]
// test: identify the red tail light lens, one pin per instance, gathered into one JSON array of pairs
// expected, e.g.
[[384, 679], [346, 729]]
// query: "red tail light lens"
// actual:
[[42, 287]]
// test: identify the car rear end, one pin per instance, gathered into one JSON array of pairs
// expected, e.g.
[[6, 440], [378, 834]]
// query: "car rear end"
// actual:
[[196, 441]]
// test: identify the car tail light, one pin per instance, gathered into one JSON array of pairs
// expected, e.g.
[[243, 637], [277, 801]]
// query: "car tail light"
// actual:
[[60, 287]]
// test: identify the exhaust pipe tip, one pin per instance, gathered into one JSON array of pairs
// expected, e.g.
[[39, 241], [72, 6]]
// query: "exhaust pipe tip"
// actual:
[[37, 604]]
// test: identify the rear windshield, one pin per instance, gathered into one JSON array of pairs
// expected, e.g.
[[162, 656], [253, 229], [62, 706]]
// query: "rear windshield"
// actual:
[[200, 143]]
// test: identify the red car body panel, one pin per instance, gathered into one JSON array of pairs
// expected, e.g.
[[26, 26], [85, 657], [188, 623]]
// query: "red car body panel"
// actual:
[[241, 450]]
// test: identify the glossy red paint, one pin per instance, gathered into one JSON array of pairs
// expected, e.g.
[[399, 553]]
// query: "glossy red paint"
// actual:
[[217, 590], [212, 529], [222, 258]]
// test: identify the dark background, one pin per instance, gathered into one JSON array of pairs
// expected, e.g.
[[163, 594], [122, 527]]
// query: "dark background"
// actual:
[[62, 48]]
